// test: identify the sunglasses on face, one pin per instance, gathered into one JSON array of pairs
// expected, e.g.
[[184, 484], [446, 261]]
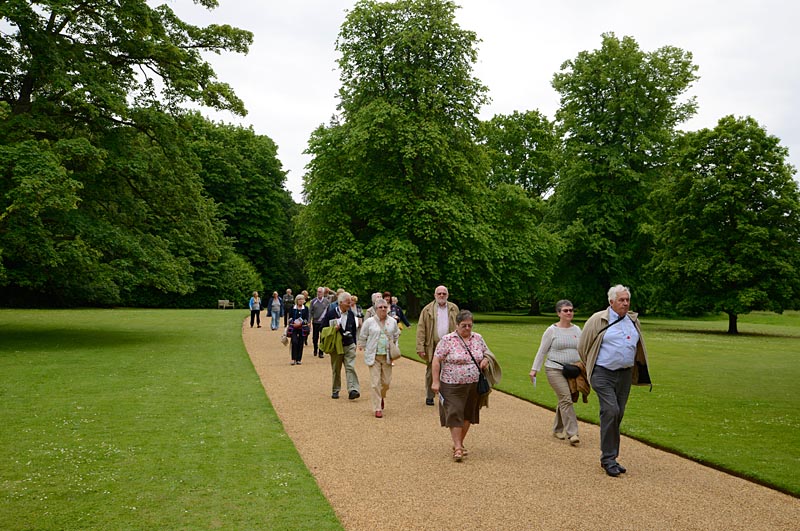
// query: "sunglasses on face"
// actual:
[[567, 310]]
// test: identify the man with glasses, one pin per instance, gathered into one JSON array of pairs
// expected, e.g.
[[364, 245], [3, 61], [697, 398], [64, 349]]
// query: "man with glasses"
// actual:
[[436, 320], [342, 317], [612, 349]]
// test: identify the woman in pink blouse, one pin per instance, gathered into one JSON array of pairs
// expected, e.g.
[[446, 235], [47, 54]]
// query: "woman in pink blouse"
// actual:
[[455, 377]]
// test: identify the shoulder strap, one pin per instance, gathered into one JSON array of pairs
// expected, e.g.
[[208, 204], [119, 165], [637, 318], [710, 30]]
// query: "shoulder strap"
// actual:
[[469, 352]]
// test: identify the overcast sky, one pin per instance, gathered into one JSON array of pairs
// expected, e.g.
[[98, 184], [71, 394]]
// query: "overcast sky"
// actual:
[[748, 53]]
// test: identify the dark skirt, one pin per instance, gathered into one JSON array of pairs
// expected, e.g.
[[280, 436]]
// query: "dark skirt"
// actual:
[[461, 402]]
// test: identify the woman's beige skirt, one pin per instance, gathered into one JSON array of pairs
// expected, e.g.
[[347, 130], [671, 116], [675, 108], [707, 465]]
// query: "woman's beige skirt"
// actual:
[[457, 403]]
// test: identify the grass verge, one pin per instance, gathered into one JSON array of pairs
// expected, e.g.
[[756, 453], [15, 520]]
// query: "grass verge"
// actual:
[[143, 419]]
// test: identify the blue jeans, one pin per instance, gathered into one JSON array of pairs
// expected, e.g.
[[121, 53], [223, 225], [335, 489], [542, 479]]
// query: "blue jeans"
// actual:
[[275, 321]]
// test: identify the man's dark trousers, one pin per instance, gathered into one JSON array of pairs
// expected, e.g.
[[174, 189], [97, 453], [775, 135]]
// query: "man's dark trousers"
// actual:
[[612, 388]]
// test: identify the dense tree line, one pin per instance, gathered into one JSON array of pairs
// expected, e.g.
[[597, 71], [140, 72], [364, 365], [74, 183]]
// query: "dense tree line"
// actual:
[[407, 189], [112, 192]]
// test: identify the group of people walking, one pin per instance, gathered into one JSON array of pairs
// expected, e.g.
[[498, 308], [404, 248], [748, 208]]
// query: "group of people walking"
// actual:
[[608, 355]]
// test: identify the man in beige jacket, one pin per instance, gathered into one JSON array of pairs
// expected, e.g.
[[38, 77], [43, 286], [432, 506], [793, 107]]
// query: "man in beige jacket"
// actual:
[[436, 320]]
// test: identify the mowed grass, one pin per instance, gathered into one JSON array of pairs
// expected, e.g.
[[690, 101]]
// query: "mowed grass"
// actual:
[[143, 419], [727, 401]]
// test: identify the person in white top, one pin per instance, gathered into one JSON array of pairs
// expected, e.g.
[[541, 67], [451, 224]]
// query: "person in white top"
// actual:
[[377, 334], [559, 346]]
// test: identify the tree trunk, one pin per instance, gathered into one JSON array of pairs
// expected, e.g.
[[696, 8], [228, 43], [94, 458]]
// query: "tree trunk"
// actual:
[[732, 327], [535, 307], [413, 305]]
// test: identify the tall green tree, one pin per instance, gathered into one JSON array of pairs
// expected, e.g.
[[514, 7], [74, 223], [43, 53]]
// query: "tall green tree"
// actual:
[[523, 149], [98, 197], [619, 110], [241, 172], [396, 187], [727, 228]]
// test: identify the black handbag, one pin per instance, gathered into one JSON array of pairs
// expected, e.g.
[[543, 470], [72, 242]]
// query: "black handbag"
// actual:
[[483, 383], [569, 370]]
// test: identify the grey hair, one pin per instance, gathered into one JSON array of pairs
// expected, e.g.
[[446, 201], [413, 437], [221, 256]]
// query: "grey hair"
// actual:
[[563, 302], [381, 302], [298, 297], [463, 315], [342, 296], [614, 291], [375, 296]]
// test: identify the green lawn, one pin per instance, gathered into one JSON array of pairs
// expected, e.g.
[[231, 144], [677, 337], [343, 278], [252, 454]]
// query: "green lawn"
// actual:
[[156, 419], [140, 419], [728, 401]]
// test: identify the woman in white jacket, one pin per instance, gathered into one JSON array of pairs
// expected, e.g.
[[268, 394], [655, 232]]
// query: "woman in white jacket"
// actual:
[[377, 333]]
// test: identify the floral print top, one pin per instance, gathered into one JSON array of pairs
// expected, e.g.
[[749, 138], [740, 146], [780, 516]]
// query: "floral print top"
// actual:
[[457, 366]]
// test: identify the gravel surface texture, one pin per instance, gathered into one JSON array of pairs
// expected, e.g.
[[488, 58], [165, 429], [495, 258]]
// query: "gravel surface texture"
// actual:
[[397, 473]]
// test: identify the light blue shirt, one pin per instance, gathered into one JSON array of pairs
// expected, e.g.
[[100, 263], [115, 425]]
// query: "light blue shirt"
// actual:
[[618, 349]]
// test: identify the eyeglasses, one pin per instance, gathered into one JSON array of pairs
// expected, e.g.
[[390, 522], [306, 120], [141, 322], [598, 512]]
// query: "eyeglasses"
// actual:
[[567, 310]]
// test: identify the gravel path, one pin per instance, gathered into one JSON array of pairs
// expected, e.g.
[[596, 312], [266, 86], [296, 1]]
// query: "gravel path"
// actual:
[[396, 473]]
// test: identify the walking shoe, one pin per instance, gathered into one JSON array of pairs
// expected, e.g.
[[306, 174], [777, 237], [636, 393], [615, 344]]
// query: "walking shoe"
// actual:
[[612, 470], [294, 362], [429, 401], [559, 435], [335, 394], [299, 362], [321, 355], [378, 414], [353, 394], [621, 468], [575, 440]]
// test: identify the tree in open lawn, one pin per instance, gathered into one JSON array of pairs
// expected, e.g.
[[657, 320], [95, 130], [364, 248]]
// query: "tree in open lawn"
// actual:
[[98, 194], [727, 228], [618, 113], [396, 189]]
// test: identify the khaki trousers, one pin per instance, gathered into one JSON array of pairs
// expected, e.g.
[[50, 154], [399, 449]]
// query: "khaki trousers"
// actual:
[[380, 378], [348, 359], [565, 412]]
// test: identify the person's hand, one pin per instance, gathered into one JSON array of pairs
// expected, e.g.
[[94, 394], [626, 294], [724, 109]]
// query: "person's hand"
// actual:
[[435, 387], [533, 376], [484, 363], [422, 355]]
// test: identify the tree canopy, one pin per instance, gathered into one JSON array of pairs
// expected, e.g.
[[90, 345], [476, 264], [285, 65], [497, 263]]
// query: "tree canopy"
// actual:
[[101, 201], [619, 110], [727, 228]]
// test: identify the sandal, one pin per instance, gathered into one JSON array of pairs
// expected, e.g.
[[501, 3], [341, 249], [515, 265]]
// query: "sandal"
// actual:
[[464, 450], [458, 455]]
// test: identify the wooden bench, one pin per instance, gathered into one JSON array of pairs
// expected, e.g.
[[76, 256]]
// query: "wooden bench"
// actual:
[[225, 303]]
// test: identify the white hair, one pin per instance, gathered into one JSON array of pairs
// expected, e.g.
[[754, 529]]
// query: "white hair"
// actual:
[[342, 296], [615, 290]]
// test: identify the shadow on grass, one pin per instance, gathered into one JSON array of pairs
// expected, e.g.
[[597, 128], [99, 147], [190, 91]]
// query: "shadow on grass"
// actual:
[[83, 338]]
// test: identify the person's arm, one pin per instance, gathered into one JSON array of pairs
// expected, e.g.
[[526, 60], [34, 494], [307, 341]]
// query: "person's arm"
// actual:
[[435, 369], [544, 348], [422, 333]]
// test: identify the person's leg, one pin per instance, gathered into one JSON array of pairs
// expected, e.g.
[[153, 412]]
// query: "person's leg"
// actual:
[[285, 316], [336, 372], [429, 395], [350, 368], [258, 318], [566, 421], [273, 323], [316, 329], [457, 434], [604, 383], [252, 318], [386, 375], [622, 390], [375, 385]]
